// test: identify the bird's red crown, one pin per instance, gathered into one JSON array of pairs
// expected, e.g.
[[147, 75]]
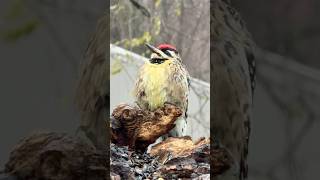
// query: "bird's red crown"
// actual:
[[167, 47]]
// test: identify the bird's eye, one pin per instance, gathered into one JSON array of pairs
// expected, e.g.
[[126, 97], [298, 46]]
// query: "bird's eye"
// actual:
[[167, 53]]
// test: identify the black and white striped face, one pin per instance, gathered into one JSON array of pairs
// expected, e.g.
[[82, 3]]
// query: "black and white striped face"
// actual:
[[172, 54], [168, 55], [161, 54], [156, 59]]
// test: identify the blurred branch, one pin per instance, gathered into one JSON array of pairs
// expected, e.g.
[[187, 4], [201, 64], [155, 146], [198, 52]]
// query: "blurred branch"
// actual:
[[288, 64], [141, 8]]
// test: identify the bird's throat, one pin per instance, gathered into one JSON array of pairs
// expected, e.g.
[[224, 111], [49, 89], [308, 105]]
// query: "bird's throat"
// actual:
[[157, 60]]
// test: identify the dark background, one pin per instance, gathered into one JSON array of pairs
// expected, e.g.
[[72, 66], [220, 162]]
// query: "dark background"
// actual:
[[41, 45], [288, 27], [285, 136]]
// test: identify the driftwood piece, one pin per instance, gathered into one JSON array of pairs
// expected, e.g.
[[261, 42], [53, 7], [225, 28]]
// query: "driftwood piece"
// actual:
[[138, 128], [181, 158], [173, 158], [179, 147]]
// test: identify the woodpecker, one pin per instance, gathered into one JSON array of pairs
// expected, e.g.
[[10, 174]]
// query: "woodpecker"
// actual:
[[164, 79], [233, 78]]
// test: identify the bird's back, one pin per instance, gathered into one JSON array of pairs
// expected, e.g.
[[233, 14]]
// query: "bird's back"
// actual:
[[233, 81]]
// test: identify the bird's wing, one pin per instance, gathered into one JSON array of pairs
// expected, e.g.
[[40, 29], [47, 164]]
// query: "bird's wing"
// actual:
[[233, 57], [92, 95]]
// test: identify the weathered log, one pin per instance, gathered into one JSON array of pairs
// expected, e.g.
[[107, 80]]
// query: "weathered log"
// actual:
[[139, 128], [173, 158], [54, 156], [181, 158], [179, 147]]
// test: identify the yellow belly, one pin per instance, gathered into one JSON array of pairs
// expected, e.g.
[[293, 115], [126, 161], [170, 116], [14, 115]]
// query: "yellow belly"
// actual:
[[156, 82]]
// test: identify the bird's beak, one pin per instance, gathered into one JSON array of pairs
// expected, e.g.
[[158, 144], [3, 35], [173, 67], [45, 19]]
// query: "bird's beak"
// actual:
[[157, 51]]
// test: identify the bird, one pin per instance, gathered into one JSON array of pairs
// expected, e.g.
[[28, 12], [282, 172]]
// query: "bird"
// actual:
[[233, 53], [164, 79]]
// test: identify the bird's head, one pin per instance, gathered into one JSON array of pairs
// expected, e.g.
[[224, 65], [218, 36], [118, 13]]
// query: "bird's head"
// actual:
[[162, 53]]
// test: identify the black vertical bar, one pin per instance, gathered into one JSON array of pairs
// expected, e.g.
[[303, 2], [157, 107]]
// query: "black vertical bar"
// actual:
[[211, 84]]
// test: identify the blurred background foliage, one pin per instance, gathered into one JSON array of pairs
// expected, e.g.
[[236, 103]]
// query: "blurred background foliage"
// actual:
[[183, 23], [19, 22]]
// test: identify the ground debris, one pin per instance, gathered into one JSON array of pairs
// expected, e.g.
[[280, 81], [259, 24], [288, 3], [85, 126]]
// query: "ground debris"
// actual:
[[131, 165], [167, 161]]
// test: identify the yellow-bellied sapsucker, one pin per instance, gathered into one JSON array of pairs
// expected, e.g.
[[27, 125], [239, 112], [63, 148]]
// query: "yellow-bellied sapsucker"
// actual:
[[164, 79]]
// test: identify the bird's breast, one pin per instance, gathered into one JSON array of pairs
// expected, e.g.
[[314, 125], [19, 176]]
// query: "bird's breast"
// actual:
[[156, 82]]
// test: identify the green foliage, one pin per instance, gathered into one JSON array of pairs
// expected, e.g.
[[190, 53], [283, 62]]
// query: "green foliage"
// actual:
[[18, 14], [157, 25], [116, 66], [157, 3], [138, 41], [23, 30], [177, 9]]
